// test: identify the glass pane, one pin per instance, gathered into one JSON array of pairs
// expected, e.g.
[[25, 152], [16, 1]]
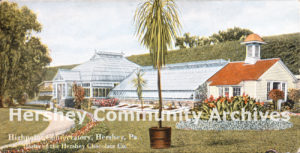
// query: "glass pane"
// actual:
[[226, 91], [64, 90], [276, 85], [236, 91], [101, 92], [249, 50], [220, 91], [69, 90], [256, 50], [86, 92], [283, 87]]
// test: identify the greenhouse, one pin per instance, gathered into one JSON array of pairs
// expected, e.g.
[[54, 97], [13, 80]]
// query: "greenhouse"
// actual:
[[98, 76], [180, 82]]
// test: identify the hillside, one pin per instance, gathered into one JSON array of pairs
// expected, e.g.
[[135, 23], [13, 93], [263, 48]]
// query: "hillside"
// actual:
[[51, 71], [286, 47]]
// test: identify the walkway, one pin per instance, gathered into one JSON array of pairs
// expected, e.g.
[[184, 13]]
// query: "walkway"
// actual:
[[55, 128]]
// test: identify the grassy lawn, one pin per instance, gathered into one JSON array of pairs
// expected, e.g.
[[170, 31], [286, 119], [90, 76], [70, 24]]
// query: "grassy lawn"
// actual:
[[201, 141], [27, 128]]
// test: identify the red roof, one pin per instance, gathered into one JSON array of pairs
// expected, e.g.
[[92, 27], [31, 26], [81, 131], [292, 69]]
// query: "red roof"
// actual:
[[253, 37], [235, 72]]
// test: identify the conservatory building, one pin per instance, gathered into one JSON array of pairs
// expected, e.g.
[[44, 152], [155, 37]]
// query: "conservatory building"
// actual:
[[182, 83], [98, 76]]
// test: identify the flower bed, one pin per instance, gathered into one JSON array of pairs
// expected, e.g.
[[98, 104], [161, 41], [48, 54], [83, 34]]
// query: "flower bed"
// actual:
[[232, 104], [106, 102], [233, 125]]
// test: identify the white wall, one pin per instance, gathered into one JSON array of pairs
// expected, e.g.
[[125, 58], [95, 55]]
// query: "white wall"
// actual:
[[258, 88], [276, 73]]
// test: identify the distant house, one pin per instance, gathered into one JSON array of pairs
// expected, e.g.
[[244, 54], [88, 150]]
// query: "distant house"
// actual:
[[46, 88], [254, 76], [181, 82]]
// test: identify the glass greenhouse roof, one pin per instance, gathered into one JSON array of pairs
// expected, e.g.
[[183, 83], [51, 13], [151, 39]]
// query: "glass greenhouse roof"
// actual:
[[103, 66], [179, 81]]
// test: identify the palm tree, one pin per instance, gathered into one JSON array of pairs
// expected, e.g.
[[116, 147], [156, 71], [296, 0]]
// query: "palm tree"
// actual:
[[139, 83], [157, 26]]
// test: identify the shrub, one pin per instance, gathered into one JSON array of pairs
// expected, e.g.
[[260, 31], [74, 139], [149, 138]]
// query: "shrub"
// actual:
[[294, 95], [22, 99], [233, 125], [275, 95], [106, 102], [78, 95], [226, 104], [293, 102]]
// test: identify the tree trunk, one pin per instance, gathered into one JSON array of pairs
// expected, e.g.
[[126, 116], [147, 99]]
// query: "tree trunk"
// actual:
[[275, 105], [160, 97], [1, 102]]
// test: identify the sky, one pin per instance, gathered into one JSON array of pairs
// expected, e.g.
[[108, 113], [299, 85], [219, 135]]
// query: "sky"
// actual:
[[74, 29]]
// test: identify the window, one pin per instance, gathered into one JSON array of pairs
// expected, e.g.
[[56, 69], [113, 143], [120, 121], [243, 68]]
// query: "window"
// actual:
[[86, 85], [69, 90], [249, 50], [283, 88], [54, 90], [96, 92], [220, 91], [256, 50], [276, 85], [236, 91], [226, 92], [86, 92], [100, 92], [268, 90], [63, 90]]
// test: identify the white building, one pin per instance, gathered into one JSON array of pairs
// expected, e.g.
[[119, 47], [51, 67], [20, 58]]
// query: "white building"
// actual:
[[97, 76], [180, 82], [254, 76]]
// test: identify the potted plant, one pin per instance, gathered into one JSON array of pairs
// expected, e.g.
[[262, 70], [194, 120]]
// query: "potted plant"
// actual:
[[157, 26], [140, 83]]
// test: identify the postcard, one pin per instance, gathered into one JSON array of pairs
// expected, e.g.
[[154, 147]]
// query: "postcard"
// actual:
[[138, 76]]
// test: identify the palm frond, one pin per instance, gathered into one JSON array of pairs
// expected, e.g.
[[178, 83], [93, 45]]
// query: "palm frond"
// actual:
[[157, 26]]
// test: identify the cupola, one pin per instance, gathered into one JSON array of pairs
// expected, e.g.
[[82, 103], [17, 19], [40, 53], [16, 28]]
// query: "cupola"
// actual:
[[252, 42]]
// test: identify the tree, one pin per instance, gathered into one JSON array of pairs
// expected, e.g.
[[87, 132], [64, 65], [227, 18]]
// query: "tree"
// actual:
[[201, 41], [23, 57], [179, 42], [230, 34], [275, 95], [157, 26], [188, 41], [139, 83], [78, 94]]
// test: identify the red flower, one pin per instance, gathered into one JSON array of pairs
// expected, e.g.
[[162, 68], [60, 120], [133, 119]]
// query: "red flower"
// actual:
[[211, 98]]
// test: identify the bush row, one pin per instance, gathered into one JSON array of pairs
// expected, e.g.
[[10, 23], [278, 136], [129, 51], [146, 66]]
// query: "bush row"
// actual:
[[233, 125]]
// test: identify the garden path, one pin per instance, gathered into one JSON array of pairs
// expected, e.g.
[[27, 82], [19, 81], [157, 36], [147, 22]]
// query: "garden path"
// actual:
[[56, 127]]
